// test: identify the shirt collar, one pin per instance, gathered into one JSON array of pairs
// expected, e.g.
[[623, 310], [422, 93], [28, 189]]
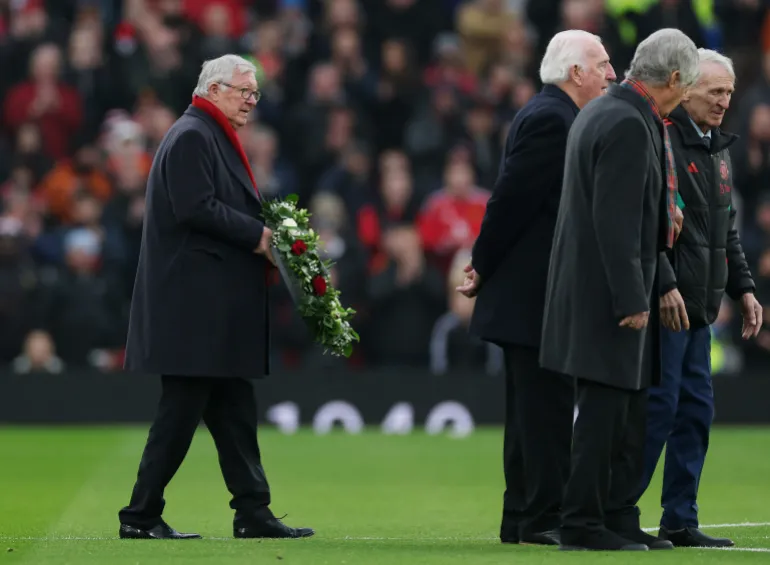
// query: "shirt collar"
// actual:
[[700, 131]]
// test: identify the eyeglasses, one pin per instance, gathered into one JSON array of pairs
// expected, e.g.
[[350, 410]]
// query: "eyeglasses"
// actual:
[[246, 93]]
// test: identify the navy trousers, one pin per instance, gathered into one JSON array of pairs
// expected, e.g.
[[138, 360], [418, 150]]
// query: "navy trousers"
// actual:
[[679, 416]]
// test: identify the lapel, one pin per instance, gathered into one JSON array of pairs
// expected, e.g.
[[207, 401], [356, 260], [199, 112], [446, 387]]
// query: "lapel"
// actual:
[[554, 91], [227, 152], [653, 125]]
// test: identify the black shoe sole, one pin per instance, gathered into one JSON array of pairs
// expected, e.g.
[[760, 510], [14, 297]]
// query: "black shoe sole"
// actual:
[[123, 536], [634, 547], [706, 546], [248, 536], [129, 532]]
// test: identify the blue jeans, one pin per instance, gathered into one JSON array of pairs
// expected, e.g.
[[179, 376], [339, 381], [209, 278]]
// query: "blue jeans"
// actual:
[[679, 415]]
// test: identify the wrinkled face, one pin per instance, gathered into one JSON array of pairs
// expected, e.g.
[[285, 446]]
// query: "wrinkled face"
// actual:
[[709, 99], [597, 75], [237, 98]]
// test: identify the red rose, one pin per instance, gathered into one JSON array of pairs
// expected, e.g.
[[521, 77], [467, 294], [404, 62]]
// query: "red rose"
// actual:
[[319, 285], [298, 247]]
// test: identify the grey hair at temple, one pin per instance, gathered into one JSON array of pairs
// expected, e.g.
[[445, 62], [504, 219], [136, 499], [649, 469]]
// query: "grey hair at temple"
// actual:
[[662, 53], [221, 69]]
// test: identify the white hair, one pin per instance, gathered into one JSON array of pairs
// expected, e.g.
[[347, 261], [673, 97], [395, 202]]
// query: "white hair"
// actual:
[[566, 49], [662, 53], [221, 69], [710, 56]]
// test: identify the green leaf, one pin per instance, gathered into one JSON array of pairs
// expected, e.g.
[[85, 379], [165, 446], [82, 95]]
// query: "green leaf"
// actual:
[[293, 198]]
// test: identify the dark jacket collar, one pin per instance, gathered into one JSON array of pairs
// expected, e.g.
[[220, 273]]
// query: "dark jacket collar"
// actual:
[[556, 92], [719, 139], [229, 154], [654, 124], [635, 100]]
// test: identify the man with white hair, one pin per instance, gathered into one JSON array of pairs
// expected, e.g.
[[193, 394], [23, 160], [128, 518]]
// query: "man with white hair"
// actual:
[[508, 273], [617, 214], [199, 314], [706, 262]]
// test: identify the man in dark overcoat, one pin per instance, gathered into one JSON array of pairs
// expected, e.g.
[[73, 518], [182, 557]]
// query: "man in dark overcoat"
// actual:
[[199, 314], [517, 230], [617, 214]]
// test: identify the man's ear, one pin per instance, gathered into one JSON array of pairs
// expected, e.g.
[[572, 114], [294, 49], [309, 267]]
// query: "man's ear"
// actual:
[[576, 75], [675, 79]]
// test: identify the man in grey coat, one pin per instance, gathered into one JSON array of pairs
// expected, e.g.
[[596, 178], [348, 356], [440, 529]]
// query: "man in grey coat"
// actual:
[[617, 213]]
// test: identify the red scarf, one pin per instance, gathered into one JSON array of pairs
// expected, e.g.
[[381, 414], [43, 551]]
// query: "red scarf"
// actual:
[[672, 182], [219, 117]]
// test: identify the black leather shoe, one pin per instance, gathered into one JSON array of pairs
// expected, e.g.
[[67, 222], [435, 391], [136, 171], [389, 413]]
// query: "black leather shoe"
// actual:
[[161, 531], [597, 540], [548, 537], [640, 536], [693, 537], [270, 527]]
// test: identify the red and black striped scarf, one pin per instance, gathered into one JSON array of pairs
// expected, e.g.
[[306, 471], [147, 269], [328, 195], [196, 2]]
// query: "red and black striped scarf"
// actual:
[[672, 183]]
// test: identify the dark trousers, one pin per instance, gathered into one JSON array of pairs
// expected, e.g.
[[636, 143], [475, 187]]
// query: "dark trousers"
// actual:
[[607, 459], [679, 415], [538, 434], [229, 410]]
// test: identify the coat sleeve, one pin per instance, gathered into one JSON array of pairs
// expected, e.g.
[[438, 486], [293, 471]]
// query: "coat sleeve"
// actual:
[[620, 181], [667, 275], [188, 174], [739, 280], [534, 162]]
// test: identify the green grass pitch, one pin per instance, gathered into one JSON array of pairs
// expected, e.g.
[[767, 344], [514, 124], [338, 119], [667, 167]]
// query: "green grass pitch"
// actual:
[[373, 499]]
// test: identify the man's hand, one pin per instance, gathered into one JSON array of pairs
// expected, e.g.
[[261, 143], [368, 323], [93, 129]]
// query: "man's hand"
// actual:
[[636, 322], [751, 310], [264, 245], [673, 314], [678, 222], [470, 286]]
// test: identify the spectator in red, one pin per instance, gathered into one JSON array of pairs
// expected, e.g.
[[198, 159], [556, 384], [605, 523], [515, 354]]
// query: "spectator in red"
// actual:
[[47, 101], [451, 218]]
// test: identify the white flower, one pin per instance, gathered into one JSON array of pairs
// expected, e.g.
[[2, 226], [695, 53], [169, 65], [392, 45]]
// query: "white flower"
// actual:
[[289, 223]]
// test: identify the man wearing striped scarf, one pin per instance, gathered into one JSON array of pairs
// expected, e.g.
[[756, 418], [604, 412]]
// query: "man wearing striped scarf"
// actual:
[[601, 324]]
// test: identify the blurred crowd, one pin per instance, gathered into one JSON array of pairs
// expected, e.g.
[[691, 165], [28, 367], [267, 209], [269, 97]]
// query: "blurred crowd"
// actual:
[[385, 116]]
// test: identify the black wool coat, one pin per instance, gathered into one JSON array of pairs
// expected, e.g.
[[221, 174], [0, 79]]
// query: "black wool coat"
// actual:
[[199, 304], [609, 234], [513, 247]]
